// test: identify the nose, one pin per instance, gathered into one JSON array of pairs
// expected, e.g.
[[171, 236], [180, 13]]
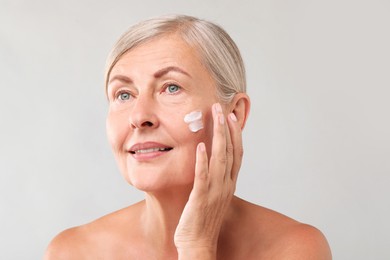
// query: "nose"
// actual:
[[143, 114]]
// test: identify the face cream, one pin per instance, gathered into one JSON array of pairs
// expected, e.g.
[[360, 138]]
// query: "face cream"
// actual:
[[194, 121]]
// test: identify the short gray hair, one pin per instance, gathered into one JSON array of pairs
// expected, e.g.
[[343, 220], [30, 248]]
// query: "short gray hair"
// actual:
[[218, 52]]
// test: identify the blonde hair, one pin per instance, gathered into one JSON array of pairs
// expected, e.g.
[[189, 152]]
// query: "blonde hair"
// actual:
[[218, 52]]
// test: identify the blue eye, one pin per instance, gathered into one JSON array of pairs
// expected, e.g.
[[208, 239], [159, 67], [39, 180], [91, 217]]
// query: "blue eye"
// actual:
[[124, 96], [172, 88]]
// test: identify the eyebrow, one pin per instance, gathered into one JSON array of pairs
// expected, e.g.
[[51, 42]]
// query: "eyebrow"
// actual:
[[163, 71], [157, 74], [121, 78]]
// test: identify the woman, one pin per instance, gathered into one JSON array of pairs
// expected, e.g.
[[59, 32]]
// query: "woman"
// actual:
[[177, 105]]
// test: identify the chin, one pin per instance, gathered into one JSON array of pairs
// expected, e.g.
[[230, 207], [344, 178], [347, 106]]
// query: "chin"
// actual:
[[162, 188], [158, 180]]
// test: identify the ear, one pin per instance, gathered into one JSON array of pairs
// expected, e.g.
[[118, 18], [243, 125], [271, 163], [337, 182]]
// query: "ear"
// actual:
[[240, 106]]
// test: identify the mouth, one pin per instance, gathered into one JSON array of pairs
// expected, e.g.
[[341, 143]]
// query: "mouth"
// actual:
[[151, 150]]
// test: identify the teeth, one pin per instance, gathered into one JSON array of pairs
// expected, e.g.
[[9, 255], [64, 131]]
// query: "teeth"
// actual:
[[151, 150]]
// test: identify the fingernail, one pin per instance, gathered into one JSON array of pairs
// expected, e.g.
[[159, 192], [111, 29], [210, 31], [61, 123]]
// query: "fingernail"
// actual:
[[201, 147], [218, 108], [233, 117]]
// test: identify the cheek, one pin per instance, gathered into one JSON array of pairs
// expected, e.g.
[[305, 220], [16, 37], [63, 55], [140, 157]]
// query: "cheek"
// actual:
[[203, 135], [208, 132], [117, 133], [116, 130]]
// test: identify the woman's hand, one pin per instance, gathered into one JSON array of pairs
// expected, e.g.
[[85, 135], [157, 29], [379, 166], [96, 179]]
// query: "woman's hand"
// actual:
[[198, 230]]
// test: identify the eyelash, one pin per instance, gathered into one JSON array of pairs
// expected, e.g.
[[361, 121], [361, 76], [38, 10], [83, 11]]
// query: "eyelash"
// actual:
[[119, 93], [165, 90], [172, 84]]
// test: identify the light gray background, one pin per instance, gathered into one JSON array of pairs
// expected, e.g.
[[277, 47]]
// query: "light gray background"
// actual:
[[316, 145]]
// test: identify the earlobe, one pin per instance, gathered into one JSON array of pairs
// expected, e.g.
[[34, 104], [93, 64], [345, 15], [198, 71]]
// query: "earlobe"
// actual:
[[240, 106]]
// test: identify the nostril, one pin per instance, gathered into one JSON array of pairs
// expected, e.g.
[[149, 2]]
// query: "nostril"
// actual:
[[150, 122], [147, 123]]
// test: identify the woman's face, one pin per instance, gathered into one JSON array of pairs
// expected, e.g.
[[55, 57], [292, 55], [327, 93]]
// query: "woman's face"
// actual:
[[150, 90]]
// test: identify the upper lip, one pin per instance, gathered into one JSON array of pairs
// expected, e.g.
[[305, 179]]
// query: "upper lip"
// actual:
[[147, 145]]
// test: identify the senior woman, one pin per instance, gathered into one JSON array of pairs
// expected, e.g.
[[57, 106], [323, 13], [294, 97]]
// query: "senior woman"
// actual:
[[177, 105]]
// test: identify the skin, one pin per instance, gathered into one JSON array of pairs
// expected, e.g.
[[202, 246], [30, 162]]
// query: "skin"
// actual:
[[189, 211]]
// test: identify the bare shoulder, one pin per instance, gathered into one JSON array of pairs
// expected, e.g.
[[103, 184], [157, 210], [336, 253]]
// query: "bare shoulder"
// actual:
[[101, 236], [277, 236], [302, 241], [66, 245]]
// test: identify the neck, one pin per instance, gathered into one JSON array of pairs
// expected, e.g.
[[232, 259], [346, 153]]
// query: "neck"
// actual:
[[162, 213]]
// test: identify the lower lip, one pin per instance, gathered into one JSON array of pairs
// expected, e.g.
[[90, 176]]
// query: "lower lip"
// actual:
[[148, 156]]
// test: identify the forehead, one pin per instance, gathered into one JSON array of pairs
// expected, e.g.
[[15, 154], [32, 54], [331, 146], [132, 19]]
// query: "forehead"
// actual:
[[167, 50]]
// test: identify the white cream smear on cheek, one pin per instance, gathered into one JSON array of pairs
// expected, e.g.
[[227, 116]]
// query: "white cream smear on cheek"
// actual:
[[194, 121]]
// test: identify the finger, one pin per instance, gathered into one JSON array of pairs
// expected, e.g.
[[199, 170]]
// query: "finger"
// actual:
[[236, 139], [229, 153], [218, 157], [201, 170]]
